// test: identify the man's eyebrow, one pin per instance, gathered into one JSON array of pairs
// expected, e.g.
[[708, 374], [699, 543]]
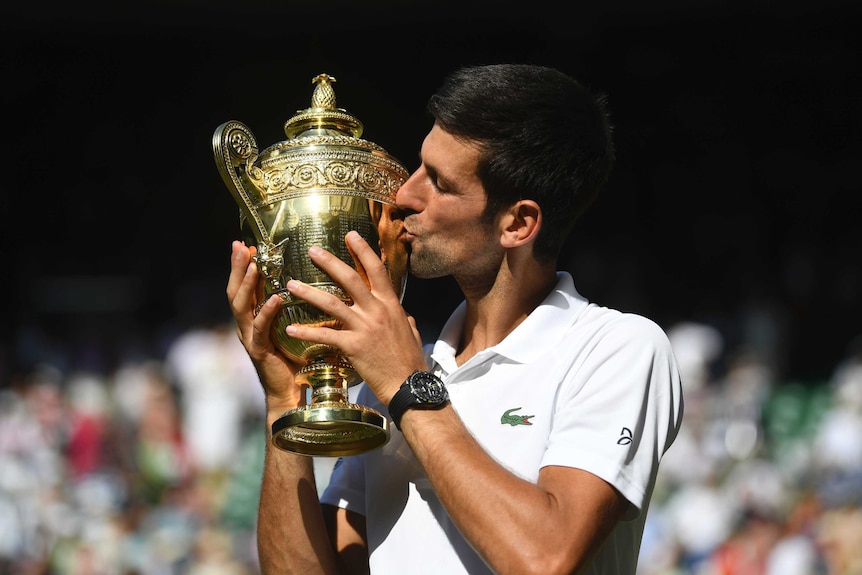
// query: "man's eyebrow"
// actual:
[[437, 177], [431, 170]]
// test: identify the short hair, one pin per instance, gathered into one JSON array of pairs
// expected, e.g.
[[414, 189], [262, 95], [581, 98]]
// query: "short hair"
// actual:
[[541, 135]]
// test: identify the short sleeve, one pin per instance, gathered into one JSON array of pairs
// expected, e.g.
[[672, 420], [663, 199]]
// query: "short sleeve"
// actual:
[[619, 407]]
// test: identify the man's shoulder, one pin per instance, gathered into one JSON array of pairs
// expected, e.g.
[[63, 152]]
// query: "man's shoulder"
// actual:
[[621, 326], [589, 315]]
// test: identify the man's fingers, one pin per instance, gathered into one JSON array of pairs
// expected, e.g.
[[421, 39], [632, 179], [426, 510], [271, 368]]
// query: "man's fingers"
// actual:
[[373, 268], [245, 298], [243, 291], [323, 301], [357, 263], [263, 322], [370, 273], [239, 258]]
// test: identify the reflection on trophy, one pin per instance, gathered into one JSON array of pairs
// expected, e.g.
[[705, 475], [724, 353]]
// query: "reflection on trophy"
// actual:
[[310, 190]]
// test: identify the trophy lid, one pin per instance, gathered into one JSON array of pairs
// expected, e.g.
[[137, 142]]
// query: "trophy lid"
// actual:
[[323, 117], [323, 153]]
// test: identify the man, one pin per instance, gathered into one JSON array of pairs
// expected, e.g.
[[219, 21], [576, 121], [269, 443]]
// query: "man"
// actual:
[[543, 456]]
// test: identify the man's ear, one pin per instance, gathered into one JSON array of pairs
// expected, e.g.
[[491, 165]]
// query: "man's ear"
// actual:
[[520, 223]]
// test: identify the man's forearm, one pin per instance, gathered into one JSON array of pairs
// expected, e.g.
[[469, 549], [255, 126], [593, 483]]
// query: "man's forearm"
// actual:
[[292, 536], [553, 526]]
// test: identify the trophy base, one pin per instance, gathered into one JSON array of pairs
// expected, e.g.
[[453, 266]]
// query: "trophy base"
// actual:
[[330, 429]]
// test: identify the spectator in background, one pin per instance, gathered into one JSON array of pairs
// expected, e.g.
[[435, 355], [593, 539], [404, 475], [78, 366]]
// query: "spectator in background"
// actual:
[[218, 389]]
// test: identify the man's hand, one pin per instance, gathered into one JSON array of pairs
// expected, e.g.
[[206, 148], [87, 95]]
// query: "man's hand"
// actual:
[[276, 372], [377, 335]]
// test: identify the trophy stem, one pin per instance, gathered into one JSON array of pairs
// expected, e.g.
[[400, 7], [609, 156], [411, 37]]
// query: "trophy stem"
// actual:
[[330, 425]]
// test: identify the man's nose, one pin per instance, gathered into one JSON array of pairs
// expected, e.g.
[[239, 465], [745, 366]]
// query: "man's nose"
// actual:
[[407, 197]]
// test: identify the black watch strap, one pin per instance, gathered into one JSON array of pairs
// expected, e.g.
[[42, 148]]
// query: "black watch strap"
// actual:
[[401, 402]]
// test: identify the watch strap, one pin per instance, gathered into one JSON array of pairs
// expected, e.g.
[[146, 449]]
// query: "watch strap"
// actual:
[[401, 402]]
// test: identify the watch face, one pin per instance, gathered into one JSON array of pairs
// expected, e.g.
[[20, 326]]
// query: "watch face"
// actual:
[[428, 388]]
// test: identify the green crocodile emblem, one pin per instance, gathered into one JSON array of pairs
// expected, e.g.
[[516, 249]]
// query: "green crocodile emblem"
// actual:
[[516, 419]]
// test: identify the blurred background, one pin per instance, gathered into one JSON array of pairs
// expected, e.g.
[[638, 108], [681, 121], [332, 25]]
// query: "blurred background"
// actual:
[[130, 419]]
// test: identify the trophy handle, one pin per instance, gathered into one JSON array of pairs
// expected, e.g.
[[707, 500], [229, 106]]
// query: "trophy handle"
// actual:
[[235, 150]]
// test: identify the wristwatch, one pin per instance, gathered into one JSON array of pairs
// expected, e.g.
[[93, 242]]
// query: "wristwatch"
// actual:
[[421, 390]]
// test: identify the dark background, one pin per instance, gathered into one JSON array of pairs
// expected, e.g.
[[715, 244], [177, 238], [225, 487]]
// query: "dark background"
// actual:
[[735, 201]]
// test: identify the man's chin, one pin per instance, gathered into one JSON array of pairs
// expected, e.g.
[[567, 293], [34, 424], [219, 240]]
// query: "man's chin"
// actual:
[[426, 274]]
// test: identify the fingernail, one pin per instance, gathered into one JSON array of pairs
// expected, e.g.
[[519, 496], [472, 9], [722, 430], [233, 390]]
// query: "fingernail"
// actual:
[[315, 251], [273, 301], [290, 330]]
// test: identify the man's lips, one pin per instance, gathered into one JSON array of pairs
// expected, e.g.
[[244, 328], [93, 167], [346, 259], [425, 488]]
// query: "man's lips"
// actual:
[[405, 235]]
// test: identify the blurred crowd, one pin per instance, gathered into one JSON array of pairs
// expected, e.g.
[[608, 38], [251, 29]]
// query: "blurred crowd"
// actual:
[[154, 466], [765, 477]]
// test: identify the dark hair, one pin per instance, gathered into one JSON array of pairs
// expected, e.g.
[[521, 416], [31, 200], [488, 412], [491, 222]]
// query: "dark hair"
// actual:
[[542, 136]]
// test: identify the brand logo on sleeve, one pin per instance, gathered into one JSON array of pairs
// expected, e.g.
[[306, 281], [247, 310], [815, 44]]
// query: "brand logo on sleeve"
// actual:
[[514, 419], [625, 436]]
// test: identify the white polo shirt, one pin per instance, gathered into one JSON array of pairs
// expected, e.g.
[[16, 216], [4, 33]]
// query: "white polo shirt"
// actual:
[[574, 384]]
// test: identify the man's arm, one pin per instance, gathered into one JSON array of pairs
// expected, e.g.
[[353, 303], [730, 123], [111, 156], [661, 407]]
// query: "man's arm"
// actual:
[[553, 526], [291, 534], [295, 533], [292, 530]]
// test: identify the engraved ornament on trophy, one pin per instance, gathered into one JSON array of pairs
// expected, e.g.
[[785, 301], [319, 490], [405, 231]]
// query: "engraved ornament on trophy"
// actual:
[[310, 190]]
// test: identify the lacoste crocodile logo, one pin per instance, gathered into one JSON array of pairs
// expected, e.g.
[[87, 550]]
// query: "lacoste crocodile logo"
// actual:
[[516, 419]]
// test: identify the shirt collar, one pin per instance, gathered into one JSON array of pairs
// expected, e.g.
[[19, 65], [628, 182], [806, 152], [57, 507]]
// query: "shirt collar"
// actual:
[[542, 328]]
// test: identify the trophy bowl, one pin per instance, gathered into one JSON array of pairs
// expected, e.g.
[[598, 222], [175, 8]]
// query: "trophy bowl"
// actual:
[[310, 190]]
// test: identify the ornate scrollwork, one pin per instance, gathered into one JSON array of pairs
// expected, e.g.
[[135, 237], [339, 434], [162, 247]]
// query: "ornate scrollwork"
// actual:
[[240, 144], [340, 174], [353, 177]]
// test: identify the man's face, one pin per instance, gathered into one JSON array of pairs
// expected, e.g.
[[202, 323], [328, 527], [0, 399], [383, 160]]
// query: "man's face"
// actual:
[[443, 202]]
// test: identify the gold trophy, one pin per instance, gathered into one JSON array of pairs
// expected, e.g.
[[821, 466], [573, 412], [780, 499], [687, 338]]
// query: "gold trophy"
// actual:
[[310, 190]]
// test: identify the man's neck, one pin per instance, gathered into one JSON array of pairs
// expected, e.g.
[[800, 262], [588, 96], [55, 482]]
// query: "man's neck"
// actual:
[[494, 311]]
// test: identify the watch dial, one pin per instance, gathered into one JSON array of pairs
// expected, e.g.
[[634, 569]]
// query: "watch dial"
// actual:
[[428, 388]]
